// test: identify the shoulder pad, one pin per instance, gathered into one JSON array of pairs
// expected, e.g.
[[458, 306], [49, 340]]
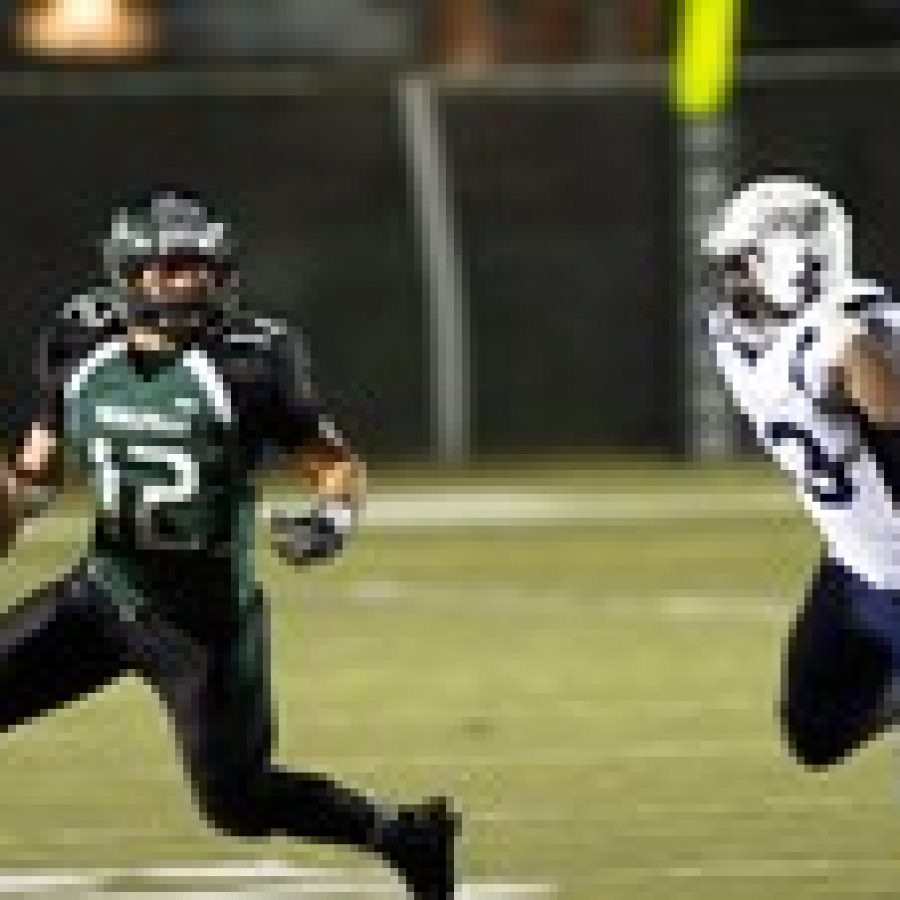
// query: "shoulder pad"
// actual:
[[95, 310], [867, 294], [256, 331]]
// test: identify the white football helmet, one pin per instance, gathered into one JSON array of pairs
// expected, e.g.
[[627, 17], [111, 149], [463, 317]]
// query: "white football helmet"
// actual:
[[791, 238]]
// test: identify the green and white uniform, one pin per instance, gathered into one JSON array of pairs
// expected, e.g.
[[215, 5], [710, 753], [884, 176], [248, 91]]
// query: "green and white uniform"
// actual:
[[169, 444]]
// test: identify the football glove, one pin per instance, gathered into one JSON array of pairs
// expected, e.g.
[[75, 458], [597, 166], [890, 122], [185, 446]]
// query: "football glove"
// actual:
[[315, 536]]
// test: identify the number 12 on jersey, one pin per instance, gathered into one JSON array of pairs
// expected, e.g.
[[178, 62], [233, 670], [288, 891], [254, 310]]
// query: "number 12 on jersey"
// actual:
[[108, 461]]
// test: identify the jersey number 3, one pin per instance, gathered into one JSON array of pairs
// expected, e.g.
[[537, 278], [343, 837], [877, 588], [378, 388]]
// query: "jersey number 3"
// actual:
[[182, 485], [826, 479]]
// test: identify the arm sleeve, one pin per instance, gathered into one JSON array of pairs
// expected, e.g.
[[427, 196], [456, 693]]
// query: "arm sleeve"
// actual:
[[51, 361], [296, 415]]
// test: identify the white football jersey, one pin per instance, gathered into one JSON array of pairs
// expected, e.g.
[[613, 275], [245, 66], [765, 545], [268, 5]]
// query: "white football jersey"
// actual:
[[846, 472]]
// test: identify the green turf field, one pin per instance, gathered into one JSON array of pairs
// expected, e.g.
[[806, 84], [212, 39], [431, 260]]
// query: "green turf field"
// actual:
[[596, 693]]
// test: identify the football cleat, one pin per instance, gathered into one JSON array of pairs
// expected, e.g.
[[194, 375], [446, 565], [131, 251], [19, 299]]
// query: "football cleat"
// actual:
[[419, 844]]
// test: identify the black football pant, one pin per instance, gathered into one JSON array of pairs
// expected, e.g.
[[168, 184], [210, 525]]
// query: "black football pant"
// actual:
[[842, 660], [209, 665]]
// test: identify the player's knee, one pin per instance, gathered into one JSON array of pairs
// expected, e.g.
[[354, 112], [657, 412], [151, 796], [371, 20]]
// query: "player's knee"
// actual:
[[818, 744]]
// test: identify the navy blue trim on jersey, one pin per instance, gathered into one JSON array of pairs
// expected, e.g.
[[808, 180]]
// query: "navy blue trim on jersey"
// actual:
[[747, 352], [719, 325], [826, 478], [865, 300], [805, 341], [879, 329]]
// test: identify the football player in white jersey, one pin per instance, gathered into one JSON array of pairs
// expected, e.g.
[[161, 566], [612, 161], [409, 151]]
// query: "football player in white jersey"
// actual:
[[811, 355]]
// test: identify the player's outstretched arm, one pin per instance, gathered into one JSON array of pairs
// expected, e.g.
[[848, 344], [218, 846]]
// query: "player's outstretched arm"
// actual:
[[297, 422], [870, 379], [27, 481], [337, 477]]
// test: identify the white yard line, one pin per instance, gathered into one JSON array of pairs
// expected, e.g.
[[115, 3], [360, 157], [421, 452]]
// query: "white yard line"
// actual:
[[358, 889], [712, 606], [274, 879], [505, 508], [232, 880], [493, 507], [778, 868]]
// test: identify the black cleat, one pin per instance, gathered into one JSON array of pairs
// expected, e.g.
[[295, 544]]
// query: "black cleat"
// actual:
[[418, 843]]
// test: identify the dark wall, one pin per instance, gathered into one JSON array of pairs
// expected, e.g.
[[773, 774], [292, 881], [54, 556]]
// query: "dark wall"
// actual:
[[563, 221], [316, 190], [816, 24], [564, 212], [842, 134]]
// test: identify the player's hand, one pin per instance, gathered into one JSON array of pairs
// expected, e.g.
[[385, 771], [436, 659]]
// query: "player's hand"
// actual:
[[302, 539]]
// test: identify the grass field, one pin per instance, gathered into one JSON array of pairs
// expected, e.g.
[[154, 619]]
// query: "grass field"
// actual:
[[596, 690]]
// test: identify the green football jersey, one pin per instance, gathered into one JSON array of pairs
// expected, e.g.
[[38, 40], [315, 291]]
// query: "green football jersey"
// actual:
[[169, 442]]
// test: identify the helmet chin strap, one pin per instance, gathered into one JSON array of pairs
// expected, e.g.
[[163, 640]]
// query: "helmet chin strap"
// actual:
[[176, 318]]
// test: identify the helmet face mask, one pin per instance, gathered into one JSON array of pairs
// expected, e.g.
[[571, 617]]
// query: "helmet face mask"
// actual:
[[174, 295], [730, 277], [786, 272]]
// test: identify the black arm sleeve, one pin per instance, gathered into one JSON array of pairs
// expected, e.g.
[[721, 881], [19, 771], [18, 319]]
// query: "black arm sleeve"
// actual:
[[297, 415], [52, 360], [62, 344]]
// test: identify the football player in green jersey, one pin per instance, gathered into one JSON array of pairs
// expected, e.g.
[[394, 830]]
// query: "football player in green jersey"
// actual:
[[169, 398]]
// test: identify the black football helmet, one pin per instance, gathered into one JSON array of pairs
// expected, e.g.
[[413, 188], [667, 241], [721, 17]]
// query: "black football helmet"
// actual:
[[169, 228]]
